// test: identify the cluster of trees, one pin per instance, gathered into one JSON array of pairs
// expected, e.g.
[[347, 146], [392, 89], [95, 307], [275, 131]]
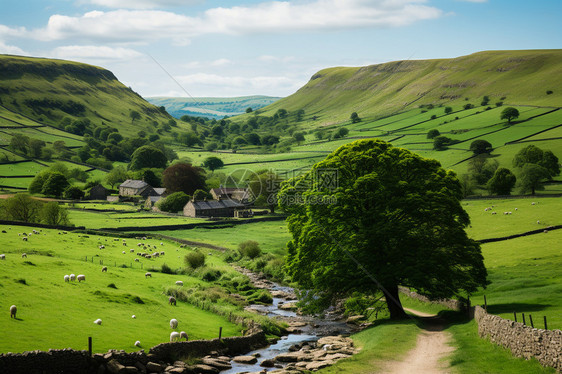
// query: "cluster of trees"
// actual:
[[23, 207], [37, 148], [56, 182], [532, 168]]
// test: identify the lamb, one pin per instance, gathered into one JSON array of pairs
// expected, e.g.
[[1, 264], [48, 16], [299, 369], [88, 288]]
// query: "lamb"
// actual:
[[81, 277], [179, 283], [146, 275], [24, 255], [172, 300], [137, 344], [72, 277], [97, 321], [66, 278], [13, 311], [104, 269], [173, 323], [174, 336], [183, 334]]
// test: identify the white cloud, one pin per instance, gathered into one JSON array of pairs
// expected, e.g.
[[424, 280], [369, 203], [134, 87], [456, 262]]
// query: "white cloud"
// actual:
[[229, 84], [97, 53], [138, 26], [221, 62], [142, 4], [11, 49]]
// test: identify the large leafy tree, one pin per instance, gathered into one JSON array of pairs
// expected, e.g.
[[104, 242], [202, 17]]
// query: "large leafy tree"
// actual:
[[22, 207], [183, 177], [531, 178], [534, 155], [394, 218], [502, 182], [213, 163], [509, 113], [147, 157]]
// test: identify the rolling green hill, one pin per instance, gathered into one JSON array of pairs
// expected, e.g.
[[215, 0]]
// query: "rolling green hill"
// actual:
[[211, 107], [514, 77], [60, 93]]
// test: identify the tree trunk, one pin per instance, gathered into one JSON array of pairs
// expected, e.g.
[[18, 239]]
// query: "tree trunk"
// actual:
[[393, 302]]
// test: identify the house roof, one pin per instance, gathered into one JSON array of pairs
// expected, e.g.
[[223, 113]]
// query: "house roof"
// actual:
[[227, 190], [133, 183], [215, 204], [154, 198], [159, 191]]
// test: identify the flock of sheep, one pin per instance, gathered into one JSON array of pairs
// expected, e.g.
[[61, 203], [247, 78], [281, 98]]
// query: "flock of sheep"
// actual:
[[174, 336]]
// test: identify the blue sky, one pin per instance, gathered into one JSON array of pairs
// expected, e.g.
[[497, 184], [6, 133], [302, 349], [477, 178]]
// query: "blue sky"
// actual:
[[260, 47]]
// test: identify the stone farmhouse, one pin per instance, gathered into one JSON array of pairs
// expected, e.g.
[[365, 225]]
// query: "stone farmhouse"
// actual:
[[212, 208], [133, 187], [240, 195]]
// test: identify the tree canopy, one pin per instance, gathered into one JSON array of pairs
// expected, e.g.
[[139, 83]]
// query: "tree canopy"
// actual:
[[509, 113], [212, 163], [480, 146], [173, 203], [147, 157], [183, 177], [393, 218], [502, 182], [534, 155]]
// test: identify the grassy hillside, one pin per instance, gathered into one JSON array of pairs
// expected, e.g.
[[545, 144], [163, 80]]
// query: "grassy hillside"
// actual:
[[211, 107], [57, 93], [514, 77]]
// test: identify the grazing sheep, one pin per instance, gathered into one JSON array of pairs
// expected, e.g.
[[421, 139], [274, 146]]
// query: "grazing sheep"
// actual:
[[81, 277], [183, 334], [124, 244], [2, 257], [24, 255], [172, 300], [174, 336], [161, 243], [133, 316], [162, 253], [538, 222], [97, 321], [66, 278], [104, 269], [146, 275], [132, 250], [179, 283], [13, 311], [533, 203], [123, 252], [24, 238], [515, 209], [494, 213], [72, 277], [173, 323], [137, 260], [137, 344]]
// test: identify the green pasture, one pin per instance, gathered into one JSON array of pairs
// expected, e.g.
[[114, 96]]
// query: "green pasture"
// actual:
[[55, 314], [272, 236], [119, 218]]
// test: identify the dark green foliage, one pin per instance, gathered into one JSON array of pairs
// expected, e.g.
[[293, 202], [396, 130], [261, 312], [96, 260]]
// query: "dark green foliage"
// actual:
[[448, 110], [480, 146], [434, 116], [253, 138], [134, 115], [502, 182], [213, 163], [249, 110], [174, 202], [185, 177], [549, 92], [260, 297], [509, 114], [482, 168], [137, 300], [534, 155], [210, 275], [21, 281], [441, 142], [355, 118], [195, 259], [249, 248], [200, 195], [53, 214], [298, 136], [54, 184], [341, 133], [73, 193], [150, 177], [368, 218], [70, 107], [270, 140], [147, 157], [166, 269], [112, 285], [531, 178], [433, 133], [468, 106]]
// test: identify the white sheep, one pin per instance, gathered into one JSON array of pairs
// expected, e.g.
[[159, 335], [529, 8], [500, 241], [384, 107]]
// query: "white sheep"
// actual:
[[72, 277], [538, 222], [179, 283], [24, 255], [172, 300], [174, 336], [66, 278], [494, 213], [148, 274], [97, 321], [132, 250], [133, 316], [24, 238], [13, 311], [161, 243], [123, 252], [183, 335], [81, 277], [2, 257], [136, 260], [104, 269], [173, 323], [137, 344]]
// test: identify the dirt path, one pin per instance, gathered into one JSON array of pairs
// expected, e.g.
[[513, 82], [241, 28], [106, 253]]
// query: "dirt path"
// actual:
[[431, 346]]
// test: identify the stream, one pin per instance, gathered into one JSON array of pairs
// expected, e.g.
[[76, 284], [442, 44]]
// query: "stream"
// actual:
[[302, 330]]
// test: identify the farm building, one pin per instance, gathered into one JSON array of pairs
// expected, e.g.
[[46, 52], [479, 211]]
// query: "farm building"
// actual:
[[151, 201], [212, 208], [133, 187], [237, 194], [98, 192]]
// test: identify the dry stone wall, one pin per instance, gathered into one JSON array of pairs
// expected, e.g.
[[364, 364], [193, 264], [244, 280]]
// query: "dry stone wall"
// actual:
[[523, 341], [448, 303]]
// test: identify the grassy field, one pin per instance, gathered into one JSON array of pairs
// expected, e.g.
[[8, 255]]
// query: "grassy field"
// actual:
[[35, 284], [99, 220]]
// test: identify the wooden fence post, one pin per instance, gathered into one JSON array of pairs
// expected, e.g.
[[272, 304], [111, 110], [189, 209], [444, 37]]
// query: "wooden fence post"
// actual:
[[515, 316], [90, 345], [523, 314], [220, 333], [485, 304], [531, 320], [545, 327]]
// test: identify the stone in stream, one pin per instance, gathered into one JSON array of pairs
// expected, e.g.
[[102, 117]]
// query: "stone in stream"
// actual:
[[288, 306], [319, 365], [205, 369], [355, 319], [215, 362], [245, 360], [153, 367]]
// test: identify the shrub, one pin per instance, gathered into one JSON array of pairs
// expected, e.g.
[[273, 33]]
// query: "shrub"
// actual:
[[549, 92], [194, 259], [468, 106], [166, 269], [448, 109], [210, 275], [261, 296], [22, 281], [249, 248], [112, 285], [433, 116], [137, 300]]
